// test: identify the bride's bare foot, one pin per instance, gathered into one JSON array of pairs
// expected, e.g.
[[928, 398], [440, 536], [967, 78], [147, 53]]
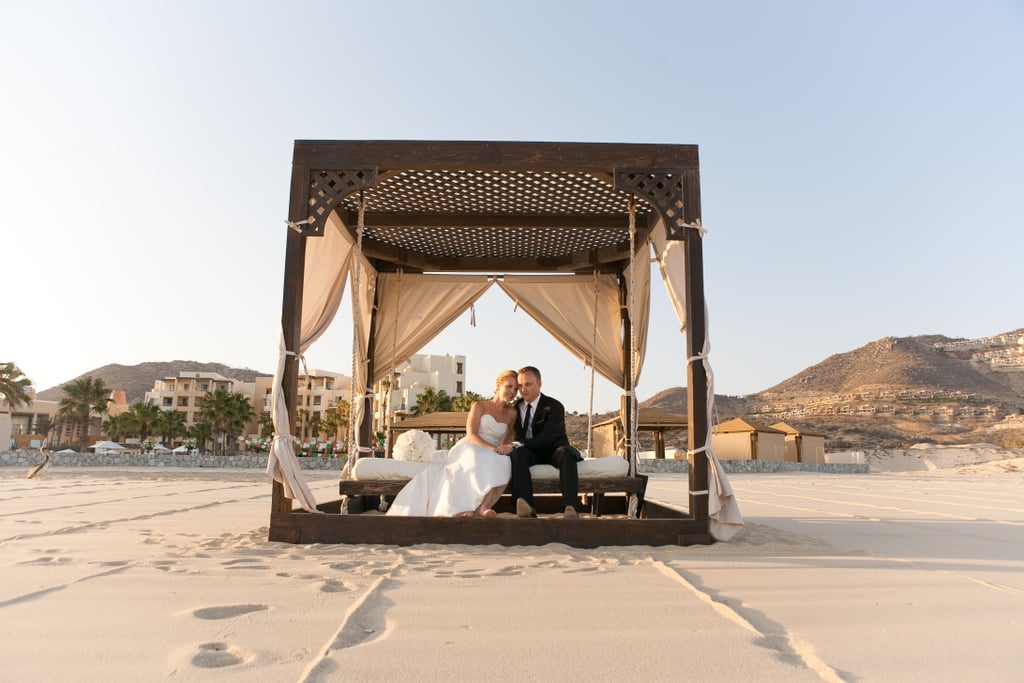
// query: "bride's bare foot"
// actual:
[[489, 512]]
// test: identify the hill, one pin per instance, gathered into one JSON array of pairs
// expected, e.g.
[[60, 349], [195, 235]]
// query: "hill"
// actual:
[[136, 380]]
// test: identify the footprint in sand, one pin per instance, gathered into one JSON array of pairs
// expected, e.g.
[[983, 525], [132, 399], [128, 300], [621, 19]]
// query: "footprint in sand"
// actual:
[[227, 611], [332, 586], [218, 655]]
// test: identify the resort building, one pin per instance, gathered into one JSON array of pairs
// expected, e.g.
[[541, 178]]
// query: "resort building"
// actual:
[[410, 379], [319, 394]]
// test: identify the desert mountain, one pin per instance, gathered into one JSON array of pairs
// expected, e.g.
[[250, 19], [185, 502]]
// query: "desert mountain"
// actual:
[[902, 364]]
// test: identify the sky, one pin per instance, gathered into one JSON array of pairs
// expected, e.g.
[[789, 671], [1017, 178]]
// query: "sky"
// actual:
[[861, 167]]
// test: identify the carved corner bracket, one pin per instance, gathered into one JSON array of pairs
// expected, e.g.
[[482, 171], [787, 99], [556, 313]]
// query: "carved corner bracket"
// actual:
[[328, 187], [663, 189]]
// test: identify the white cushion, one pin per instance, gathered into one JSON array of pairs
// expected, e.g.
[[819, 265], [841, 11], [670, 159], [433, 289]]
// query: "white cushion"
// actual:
[[385, 468], [610, 466]]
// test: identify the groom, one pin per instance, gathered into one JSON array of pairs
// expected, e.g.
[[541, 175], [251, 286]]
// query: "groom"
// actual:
[[541, 440]]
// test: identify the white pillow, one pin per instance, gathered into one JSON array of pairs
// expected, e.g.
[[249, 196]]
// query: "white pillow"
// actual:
[[610, 466], [385, 468]]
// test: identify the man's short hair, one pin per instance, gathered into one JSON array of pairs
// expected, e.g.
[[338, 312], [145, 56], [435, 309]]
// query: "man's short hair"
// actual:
[[530, 369]]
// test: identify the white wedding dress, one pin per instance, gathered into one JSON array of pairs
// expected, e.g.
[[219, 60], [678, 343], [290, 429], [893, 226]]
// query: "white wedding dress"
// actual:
[[460, 481]]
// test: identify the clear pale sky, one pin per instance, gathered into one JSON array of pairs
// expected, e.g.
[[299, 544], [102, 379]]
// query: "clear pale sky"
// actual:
[[862, 166]]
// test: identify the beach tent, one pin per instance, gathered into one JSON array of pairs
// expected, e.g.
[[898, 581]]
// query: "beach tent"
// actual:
[[738, 439], [420, 230], [802, 446]]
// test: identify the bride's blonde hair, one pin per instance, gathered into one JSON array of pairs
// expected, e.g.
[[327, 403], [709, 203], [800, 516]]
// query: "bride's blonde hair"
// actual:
[[505, 374]]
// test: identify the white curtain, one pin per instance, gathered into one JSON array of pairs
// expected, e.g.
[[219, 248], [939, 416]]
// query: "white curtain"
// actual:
[[723, 508], [564, 306], [326, 267], [671, 255], [414, 308]]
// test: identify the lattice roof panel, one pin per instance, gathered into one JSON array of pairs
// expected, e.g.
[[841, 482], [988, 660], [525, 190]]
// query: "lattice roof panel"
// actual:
[[495, 214], [494, 192]]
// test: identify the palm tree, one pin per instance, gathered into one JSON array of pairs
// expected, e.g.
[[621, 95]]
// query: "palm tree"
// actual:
[[143, 418], [170, 424], [14, 386], [465, 402], [201, 432], [83, 398], [266, 425], [118, 426], [44, 425], [226, 412], [432, 401], [315, 425]]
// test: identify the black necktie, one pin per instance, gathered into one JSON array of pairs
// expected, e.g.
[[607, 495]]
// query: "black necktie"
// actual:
[[526, 422]]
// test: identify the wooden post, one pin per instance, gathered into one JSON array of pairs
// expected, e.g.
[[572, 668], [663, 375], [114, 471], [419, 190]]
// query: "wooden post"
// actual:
[[291, 309], [696, 332]]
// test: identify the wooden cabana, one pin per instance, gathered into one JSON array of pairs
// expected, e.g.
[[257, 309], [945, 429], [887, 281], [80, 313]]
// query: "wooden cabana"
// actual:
[[420, 230], [609, 436]]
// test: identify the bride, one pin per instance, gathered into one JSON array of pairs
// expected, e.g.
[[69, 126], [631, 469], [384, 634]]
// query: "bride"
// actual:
[[471, 478]]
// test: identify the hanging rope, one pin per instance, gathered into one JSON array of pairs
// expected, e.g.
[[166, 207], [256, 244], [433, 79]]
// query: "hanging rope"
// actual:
[[593, 354], [633, 418], [394, 360], [353, 445]]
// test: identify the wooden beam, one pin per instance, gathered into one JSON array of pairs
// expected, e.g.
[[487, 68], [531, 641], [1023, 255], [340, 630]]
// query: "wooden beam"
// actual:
[[467, 155]]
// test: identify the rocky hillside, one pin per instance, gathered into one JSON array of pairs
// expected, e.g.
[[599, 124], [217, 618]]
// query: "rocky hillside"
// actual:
[[896, 363], [136, 380]]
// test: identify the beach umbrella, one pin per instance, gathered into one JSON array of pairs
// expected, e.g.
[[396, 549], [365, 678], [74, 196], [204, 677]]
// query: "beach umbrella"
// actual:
[[107, 445], [160, 448], [68, 451], [180, 449]]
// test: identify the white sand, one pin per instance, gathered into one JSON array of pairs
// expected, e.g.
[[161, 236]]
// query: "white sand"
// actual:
[[146, 574]]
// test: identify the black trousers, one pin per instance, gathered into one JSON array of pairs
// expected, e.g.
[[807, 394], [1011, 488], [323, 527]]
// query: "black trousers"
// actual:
[[564, 458]]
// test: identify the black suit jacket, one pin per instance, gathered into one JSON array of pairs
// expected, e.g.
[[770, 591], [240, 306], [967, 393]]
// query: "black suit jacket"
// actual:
[[548, 427]]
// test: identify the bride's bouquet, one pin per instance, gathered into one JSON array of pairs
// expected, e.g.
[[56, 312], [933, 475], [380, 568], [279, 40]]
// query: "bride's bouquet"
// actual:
[[413, 446]]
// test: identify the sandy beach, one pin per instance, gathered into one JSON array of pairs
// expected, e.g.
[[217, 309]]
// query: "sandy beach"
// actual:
[[911, 573]]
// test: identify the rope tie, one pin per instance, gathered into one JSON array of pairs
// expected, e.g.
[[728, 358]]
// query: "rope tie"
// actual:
[[695, 225]]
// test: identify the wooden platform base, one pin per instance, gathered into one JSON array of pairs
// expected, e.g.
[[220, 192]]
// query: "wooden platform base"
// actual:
[[658, 525]]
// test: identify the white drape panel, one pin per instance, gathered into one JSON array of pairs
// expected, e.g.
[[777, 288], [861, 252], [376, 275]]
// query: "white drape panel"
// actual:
[[564, 306], [414, 308], [671, 255], [367, 292], [326, 266]]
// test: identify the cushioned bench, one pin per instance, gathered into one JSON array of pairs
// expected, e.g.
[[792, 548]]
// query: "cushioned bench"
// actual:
[[597, 476]]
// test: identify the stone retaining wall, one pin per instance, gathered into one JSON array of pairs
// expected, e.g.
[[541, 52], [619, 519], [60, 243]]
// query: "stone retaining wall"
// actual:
[[27, 459], [650, 466]]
